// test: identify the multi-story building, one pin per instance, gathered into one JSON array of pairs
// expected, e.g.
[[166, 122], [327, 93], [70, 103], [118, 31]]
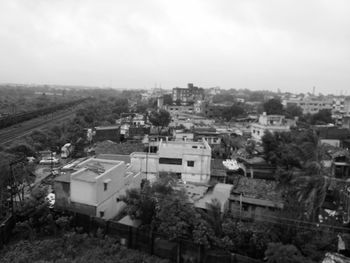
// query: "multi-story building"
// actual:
[[191, 93], [95, 187], [173, 109], [311, 105], [272, 123], [189, 121], [188, 161], [341, 109], [213, 110]]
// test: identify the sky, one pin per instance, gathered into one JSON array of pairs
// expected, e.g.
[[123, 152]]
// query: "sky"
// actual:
[[291, 45]]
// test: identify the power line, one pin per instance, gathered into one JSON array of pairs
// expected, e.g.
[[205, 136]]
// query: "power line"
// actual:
[[275, 220]]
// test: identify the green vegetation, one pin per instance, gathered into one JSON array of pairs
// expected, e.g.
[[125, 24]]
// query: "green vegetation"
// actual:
[[322, 117], [160, 118], [236, 110], [301, 172], [74, 247], [273, 106], [292, 111]]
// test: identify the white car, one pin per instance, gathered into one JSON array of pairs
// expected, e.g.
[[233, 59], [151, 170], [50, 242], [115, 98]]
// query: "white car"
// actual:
[[50, 160]]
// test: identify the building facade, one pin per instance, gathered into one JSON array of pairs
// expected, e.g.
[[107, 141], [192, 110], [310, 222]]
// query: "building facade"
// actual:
[[188, 161], [96, 186], [191, 93], [311, 105], [272, 123]]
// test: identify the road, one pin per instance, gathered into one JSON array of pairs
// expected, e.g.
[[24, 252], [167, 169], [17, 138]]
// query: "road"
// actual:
[[17, 131]]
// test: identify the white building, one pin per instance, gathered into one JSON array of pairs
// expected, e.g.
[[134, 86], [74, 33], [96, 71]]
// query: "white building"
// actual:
[[310, 105], [189, 161], [138, 120], [272, 123], [96, 187], [174, 109]]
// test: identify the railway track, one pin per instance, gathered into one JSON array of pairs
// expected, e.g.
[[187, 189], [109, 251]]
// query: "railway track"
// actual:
[[17, 131]]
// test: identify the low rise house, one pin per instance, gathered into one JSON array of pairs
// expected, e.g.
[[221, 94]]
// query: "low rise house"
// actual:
[[189, 121], [256, 167], [333, 135], [182, 135], [179, 109], [208, 134], [272, 123], [255, 199], [220, 193], [111, 133], [95, 187], [189, 161]]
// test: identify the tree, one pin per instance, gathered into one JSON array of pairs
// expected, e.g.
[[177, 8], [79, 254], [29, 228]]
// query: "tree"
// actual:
[[232, 112], [168, 99], [273, 106], [322, 117], [231, 144], [299, 158], [277, 252], [74, 247], [293, 110], [174, 217], [140, 204], [160, 119]]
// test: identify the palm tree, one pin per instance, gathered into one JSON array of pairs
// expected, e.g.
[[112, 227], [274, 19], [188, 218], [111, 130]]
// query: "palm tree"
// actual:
[[310, 183]]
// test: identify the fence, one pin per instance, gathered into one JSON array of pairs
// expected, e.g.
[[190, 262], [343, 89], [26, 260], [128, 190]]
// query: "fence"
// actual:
[[6, 227], [179, 251]]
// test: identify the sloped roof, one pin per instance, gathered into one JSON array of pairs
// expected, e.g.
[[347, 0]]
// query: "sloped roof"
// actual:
[[126, 220], [221, 192], [65, 178], [257, 188]]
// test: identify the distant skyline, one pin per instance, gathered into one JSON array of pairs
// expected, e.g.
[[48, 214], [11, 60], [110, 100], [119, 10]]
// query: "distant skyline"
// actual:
[[291, 45]]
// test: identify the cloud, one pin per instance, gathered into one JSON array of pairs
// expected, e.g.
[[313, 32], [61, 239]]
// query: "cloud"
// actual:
[[291, 45]]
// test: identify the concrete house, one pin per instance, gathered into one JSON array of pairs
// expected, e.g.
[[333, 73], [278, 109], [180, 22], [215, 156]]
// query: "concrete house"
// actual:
[[95, 187], [189, 161], [272, 123]]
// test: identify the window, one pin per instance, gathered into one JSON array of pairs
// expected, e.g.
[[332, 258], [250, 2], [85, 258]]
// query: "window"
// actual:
[[178, 175], [174, 161], [102, 213], [190, 163], [194, 147], [105, 186]]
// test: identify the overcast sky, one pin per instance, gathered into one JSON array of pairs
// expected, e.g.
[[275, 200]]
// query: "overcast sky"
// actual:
[[264, 44]]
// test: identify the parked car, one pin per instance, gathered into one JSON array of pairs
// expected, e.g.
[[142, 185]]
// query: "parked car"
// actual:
[[50, 160]]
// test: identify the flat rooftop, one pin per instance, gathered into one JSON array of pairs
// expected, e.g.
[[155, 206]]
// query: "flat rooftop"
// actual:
[[93, 168], [114, 127], [183, 144]]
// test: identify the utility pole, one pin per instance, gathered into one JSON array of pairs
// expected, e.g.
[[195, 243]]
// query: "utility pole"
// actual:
[[12, 183]]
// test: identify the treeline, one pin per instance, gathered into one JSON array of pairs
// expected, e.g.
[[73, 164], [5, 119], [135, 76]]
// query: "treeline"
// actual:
[[100, 110], [168, 212], [42, 234]]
